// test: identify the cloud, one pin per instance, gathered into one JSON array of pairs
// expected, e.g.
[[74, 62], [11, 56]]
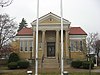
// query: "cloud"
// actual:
[[83, 13]]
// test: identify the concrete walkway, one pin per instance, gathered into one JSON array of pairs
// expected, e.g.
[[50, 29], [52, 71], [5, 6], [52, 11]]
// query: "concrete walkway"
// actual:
[[81, 70], [6, 71], [96, 70]]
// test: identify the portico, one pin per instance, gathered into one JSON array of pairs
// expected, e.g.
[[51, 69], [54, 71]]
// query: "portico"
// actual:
[[50, 34]]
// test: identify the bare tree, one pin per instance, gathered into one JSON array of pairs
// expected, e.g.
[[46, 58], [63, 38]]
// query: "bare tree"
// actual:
[[97, 51], [8, 30], [5, 3], [97, 47], [91, 39]]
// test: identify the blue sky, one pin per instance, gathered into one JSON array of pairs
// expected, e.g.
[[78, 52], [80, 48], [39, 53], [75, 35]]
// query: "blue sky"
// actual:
[[82, 13]]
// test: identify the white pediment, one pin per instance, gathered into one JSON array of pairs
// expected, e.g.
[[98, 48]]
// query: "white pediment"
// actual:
[[50, 18]]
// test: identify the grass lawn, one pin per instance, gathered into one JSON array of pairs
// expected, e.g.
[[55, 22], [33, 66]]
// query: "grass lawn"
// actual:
[[73, 73], [83, 73], [46, 72]]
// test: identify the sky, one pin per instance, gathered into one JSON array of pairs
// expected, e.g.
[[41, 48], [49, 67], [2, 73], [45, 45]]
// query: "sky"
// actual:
[[81, 13]]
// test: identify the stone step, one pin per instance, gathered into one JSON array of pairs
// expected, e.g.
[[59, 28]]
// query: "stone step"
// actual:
[[47, 65], [50, 63]]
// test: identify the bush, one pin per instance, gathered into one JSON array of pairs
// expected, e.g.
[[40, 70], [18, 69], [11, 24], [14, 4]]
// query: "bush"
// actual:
[[86, 65], [13, 58], [23, 64], [76, 64], [82, 64], [12, 65]]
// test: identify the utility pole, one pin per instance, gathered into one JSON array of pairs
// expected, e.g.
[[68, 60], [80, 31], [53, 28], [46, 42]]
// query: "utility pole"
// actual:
[[62, 59], [37, 24]]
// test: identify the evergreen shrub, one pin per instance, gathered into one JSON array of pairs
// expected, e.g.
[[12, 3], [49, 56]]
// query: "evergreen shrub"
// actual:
[[76, 64], [12, 65], [86, 65], [13, 58], [23, 64]]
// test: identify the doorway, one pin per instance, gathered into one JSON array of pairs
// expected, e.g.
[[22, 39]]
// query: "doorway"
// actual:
[[50, 49]]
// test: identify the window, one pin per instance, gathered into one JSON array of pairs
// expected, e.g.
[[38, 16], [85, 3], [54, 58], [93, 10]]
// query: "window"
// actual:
[[76, 45], [81, 47], [71, 46], [26, 47], [30, 45], [21, 45]]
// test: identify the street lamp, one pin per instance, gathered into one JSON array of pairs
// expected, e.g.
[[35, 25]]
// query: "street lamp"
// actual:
[[96, 61], [90, 56]]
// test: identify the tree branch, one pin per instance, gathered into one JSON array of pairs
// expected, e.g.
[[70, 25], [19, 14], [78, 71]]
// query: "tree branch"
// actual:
[[6, 3]]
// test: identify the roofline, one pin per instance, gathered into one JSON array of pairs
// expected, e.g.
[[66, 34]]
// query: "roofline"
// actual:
[[24, 35], [77, 34], [50, 13]]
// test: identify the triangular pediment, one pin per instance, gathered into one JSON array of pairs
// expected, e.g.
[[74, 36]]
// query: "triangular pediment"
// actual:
[[50, 18]]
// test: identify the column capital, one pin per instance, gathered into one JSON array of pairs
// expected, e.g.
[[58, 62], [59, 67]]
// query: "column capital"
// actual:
[[34, 30], [67, 30], [57, 30], [43, 30]]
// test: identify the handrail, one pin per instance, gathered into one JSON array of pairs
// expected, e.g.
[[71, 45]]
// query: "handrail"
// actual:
[[59, 60], [43, 58]]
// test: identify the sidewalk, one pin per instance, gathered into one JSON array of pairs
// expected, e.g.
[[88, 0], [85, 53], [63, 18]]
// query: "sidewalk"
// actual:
[[82, 70], [96, 70], [18, 70]]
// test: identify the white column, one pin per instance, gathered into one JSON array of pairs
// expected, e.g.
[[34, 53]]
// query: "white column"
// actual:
[[57, 42], [34, 40], [66, 44], [37, 24], [43, 42], [62, 59]]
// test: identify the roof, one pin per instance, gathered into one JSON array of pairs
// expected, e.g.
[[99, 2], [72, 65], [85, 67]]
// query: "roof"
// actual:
[[25, 32], [73, 31], [77, 31], [49, 15]]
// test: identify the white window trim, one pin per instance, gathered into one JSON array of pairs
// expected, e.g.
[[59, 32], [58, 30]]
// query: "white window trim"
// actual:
[[28, 45], [75, 39]]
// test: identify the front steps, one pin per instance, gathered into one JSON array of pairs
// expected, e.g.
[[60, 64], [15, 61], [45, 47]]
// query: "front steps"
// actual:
[[50, 63]]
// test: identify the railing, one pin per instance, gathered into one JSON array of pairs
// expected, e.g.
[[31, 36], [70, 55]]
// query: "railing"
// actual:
[[42, 58], [42, 61], [59, 60]]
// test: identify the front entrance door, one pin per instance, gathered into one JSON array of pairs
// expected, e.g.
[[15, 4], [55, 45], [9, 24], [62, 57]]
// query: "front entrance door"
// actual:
[[50, 49]]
